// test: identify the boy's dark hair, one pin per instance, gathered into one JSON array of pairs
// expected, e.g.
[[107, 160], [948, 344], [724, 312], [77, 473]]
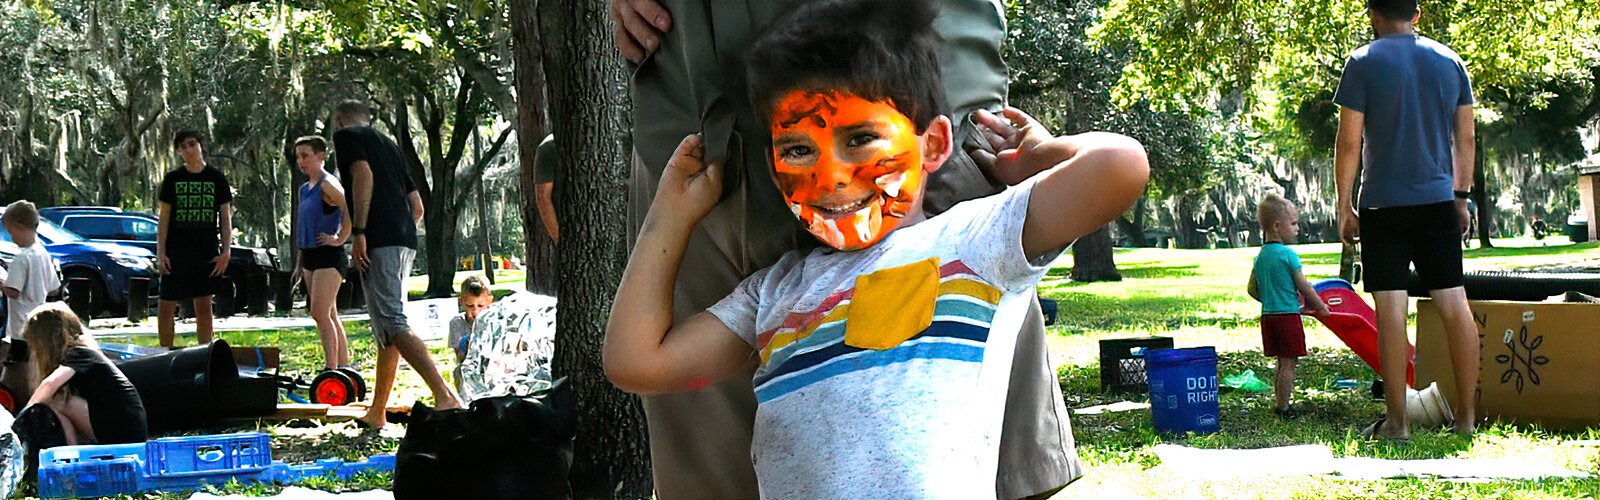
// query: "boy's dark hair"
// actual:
[[316, 142], [1394, 10], [352, 110], [875, 49], [185, 135], [473, 287]]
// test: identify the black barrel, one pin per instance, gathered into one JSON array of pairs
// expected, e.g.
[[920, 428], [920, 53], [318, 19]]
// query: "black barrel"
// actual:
[[182, 389], [256, 284], [138, 298], [1517, 285], [222, 304], [282, 291], [78, 293]]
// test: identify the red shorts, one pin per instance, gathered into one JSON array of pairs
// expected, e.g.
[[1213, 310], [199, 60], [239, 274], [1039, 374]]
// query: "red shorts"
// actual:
[[1283, 336]]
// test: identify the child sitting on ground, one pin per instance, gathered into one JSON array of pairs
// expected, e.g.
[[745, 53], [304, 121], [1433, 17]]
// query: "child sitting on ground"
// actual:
[[473, 299], [27, 284], [869, 350], [93, 399], [1276, 281]]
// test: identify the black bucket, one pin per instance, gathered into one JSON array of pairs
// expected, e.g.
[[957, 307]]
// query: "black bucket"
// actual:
[[181, 390]]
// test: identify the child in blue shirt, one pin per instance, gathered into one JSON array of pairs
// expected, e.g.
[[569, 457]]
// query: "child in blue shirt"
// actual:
[[1284, 293]]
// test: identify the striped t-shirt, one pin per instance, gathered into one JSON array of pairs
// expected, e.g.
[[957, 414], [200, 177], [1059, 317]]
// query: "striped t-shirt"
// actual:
[[884, 407]]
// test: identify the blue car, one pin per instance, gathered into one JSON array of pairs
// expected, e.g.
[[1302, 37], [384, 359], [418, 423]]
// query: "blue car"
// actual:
[[106, 266]]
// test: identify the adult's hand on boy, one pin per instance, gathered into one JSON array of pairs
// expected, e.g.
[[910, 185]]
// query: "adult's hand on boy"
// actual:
[[1014, 135], [689, 187], [637, 26]]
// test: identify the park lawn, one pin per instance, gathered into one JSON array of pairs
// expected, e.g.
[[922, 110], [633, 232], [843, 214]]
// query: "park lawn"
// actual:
[[1194, 296], [1197, 298]]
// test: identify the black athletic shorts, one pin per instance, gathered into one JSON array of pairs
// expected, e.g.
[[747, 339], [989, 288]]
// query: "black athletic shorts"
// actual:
[[1395, 238], [322, 257], [188, 282]]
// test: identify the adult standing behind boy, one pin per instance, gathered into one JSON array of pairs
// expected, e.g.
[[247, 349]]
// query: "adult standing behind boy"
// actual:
[[194, 236], [1408, 100], [385, 209], [26, 286], [694, 82]]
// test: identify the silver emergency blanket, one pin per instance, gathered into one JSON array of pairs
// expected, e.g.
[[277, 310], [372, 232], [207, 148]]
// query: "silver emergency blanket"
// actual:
[[510, 348], [12, 457]]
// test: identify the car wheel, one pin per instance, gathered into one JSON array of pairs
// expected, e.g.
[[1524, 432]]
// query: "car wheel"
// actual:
[[97, 289]]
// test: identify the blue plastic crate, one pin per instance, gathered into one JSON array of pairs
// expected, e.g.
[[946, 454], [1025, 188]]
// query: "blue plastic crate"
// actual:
[[244, 452], [94, 478], [338, 468]]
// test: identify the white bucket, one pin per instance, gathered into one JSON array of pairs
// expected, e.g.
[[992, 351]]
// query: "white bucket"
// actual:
[[1427, 408]]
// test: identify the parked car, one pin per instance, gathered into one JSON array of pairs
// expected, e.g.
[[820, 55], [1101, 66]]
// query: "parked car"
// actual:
[[107, 266], [105, 224]]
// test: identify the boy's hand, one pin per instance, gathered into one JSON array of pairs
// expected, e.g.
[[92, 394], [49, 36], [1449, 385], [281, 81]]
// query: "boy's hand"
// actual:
[[1318, 308], [164, 263], [219, 264], [1013, 135], [689, 188]]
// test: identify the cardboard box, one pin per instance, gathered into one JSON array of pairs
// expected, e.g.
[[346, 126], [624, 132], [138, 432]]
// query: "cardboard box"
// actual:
[[1539, 362]]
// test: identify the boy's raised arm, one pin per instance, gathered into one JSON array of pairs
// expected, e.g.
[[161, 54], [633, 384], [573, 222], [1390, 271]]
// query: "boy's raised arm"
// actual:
[[1308, 294], [1089, 179], [644, 352]]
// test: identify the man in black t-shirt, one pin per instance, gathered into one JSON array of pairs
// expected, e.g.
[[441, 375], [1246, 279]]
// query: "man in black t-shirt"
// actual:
[[194, 236], [384, 211]]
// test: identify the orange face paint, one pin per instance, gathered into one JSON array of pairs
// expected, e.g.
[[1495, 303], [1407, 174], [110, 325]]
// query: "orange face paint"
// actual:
[[849, 168]]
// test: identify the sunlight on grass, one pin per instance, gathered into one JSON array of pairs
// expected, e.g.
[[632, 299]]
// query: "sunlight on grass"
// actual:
[[1197, 298]]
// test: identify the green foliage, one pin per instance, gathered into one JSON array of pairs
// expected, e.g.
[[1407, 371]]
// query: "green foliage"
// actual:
[[1066, 82]]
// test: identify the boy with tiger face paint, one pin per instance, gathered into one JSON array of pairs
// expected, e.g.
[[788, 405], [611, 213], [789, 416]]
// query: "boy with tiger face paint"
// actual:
[[849, 168], [870, 355]]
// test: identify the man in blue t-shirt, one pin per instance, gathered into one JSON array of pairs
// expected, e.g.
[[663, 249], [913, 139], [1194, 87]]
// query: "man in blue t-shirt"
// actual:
[[1410, 100]]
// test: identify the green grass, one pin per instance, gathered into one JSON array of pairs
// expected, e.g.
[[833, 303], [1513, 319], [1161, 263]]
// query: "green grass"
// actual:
[[1197, 298], [506, 281]]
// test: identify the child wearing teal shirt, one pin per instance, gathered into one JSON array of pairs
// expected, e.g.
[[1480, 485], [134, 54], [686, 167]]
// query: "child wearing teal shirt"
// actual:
[[1276, 281]]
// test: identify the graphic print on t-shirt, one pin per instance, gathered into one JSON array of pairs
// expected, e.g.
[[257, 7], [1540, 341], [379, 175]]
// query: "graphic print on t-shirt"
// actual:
[[196, 202], [810, 345]]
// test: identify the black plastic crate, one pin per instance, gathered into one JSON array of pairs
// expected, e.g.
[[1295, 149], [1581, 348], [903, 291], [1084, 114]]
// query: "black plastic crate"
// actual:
[[1122, 362]]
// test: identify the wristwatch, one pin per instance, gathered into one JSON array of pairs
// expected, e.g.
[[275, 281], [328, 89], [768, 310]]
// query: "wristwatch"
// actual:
[[1462, 195], [357, 231]]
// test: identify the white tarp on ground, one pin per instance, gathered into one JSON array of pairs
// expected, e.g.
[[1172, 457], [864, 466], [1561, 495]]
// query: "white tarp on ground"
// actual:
[[298, 493], [1318, 459], [430, 319]]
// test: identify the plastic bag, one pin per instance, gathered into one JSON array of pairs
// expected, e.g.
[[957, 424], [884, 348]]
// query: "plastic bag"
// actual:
[[509, 351], [500, 447], [1246, 381]]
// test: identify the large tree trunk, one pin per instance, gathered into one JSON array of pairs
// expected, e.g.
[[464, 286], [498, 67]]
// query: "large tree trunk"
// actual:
[[539, 251], [590, 111], [1092, 257]]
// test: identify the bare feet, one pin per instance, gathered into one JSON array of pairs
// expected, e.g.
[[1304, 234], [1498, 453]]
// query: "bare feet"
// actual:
[[374, 423], [452, 404]]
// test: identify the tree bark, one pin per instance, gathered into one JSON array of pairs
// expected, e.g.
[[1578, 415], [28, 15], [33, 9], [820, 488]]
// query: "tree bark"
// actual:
[[590, 111], [1092, 258], [539, 251]]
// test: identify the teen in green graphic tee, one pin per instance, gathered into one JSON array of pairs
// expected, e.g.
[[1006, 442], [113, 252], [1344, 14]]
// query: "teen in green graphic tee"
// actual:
[[195, 235]]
